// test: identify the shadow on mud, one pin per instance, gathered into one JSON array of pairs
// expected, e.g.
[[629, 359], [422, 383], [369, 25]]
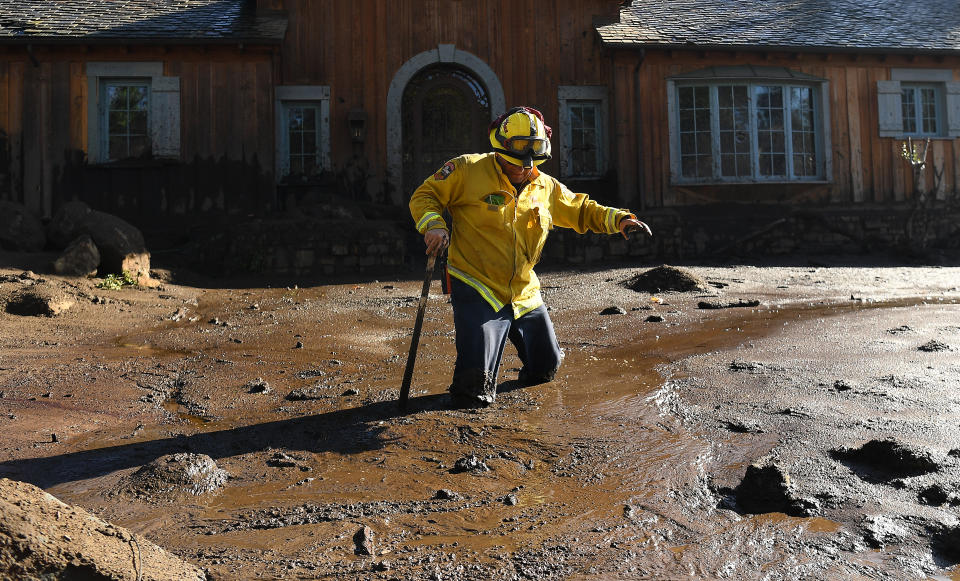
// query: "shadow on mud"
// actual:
[[347, 431]]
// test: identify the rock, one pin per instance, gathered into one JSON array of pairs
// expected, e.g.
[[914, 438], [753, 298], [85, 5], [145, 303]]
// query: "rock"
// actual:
[[946, 542], [469, 464], [20, 230], [933, 345], [729, 305], [666, 278], [39, 301], [880, 531], [80, 258], [654, 319], [886, 460], [613, 310], [510, 500], [363, 541], [121, 245], [44, 538], [446, 494], [258, 385]]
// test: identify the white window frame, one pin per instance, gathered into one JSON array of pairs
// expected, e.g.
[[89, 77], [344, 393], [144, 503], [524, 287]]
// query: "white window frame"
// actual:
[[569, 95], [820, 96], [298, 96], [890, 102], [163, 109]]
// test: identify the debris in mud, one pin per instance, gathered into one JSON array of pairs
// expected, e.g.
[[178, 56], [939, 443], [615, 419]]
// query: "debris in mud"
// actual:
[[841, 385], [446, 494], [282, 460], [748, 366], [39, 302], [880, 531], [469, 464], [170, 478], [258, 385], [310, 373], [766, 488], [936, 495], [727, 305], [666, 278], [743, 428], [946, 542], [933, 345], [613, 310], [363, 541], [44, 538], [900, 330], [886, 460], [309, 393]]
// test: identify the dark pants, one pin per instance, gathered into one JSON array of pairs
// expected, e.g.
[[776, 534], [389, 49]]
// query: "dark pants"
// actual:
[[481, 337]]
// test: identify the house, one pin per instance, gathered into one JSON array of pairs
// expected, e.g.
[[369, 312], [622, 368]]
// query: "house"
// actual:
[[237, 118], [785, 109]]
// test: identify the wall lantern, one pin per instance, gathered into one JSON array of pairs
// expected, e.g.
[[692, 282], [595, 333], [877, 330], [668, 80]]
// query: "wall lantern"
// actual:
[[357, 120]]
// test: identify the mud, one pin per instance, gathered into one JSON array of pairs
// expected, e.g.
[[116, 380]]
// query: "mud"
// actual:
[[634, 463]]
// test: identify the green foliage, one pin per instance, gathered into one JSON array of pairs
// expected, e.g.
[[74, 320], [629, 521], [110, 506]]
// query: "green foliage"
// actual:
[[117, 282]]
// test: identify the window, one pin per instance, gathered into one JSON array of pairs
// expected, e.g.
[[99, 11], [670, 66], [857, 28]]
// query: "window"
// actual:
[[747, 131], [303, 134], [126, 119], [133, 112], [583, 141], [919, 103]]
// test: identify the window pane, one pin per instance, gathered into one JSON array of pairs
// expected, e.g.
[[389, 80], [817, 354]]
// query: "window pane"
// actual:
[[309, 142], [117, 123], [139, 146], [909, 109], [686, 97], [117, 147], [686, 120], [138, 123]]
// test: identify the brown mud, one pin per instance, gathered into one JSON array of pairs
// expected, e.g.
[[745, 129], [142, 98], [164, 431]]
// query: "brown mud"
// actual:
[[632, 464]]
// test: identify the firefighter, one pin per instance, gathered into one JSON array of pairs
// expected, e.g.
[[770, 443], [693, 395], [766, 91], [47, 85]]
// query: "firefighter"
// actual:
[[502, 208]]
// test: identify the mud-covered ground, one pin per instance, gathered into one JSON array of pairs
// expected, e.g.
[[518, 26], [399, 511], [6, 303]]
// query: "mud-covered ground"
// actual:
[[813, 435]]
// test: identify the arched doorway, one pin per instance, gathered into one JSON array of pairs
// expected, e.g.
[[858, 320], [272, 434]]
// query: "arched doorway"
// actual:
[[445, 113]]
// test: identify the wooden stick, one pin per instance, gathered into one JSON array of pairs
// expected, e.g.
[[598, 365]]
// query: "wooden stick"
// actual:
[[417, 327]]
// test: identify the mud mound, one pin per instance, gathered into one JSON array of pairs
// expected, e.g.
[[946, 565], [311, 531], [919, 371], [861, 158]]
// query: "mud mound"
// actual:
[[883, 460], [39, 301], [766, 488], [43, 538], [173, 477], [666, 278]]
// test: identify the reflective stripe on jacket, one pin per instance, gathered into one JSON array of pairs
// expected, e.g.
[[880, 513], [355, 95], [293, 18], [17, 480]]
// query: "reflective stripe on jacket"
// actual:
[[497, 234]]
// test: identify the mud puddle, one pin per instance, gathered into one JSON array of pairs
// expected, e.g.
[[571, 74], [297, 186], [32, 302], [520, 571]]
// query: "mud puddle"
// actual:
[[612, 471]]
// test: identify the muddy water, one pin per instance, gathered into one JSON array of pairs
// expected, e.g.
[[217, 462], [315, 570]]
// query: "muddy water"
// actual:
[[593, 460]]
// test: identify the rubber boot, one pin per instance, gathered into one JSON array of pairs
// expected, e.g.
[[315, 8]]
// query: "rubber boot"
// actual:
[[528, 379], [473, 388]]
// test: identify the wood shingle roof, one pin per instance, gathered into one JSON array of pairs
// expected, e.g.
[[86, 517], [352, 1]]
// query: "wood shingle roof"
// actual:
[[138, 20], [931, 26]]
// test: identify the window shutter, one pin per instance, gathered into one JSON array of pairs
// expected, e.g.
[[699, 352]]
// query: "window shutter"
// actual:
[[891, 114], [953, 109], [165, 113]]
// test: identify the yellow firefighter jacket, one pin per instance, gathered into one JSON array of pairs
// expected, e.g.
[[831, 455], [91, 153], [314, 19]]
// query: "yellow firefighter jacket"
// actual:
[[498, 233]]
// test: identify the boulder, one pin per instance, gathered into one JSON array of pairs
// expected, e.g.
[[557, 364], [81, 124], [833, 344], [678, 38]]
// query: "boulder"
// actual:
[[120, 243], [44, 538], [80, 258], [19, 229]]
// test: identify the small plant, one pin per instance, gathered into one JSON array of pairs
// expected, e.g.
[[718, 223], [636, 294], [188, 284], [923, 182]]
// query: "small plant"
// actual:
[[117, 282]]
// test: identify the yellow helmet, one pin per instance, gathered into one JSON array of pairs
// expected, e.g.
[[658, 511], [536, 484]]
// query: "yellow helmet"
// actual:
[[521, 136]]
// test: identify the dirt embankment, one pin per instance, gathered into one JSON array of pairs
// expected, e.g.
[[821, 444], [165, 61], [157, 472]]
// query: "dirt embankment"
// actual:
[[784, 422]]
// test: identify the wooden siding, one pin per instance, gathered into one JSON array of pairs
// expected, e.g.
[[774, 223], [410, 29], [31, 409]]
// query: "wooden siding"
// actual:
[[866, 167], [356, 47], [226, 116]]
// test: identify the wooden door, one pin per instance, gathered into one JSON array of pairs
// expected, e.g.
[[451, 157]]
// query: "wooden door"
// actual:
[[446, 113]]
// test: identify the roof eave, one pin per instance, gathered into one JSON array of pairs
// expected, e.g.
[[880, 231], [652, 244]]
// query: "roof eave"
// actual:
[[627, 45]]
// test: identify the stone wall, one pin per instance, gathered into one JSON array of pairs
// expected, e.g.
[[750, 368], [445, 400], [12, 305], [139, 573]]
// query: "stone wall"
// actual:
[[312, 247]]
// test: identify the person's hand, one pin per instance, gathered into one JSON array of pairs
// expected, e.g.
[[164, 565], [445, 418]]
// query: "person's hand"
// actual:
[[436, 240], [628, 225]]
